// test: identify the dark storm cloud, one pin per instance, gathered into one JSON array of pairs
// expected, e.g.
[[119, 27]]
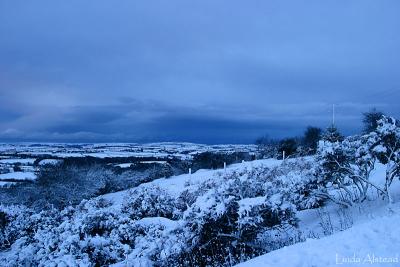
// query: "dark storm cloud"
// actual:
[[204, 71]]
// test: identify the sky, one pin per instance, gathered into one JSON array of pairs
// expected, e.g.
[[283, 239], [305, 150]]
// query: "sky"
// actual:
[[209, 71]]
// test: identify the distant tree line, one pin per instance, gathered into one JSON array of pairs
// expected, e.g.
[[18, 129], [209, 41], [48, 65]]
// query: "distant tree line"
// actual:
[[307, 144]]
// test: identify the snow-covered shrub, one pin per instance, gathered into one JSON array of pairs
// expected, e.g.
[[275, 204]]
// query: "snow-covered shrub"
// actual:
[[87, 235], [387, 149], [15, 224], [222, 225], [298, 183], [332, 157], [344, 169], [359, 165], [187, 198], [30, 235], [149, 201], [219, 222], [265, 212], [346, 165], [157, 239]]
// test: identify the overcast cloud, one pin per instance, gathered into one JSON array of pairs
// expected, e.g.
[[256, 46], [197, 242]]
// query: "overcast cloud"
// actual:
[[207, 71]]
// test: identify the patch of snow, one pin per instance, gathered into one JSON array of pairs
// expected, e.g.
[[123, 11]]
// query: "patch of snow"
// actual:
[[18, 176], [13, 161], [154, 161], [246, 204], [123, 165], [167, 223], [6, 184], [50, 162]]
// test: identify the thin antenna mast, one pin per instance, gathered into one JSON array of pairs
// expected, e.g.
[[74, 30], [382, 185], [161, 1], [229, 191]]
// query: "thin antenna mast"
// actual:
[[333, 114]]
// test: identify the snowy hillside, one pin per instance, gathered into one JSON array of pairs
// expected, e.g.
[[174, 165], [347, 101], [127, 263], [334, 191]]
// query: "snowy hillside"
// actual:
[[375, 242], [339, 205], [175, 185], [371, 238]]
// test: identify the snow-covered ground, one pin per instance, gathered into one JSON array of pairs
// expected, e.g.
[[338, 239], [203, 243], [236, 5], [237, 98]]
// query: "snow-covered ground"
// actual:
[[372, 243], [176, 184], [18, 176], [371, 238], [17, 160], [123, 165], [364, 234], [50, 162], [157, 150]]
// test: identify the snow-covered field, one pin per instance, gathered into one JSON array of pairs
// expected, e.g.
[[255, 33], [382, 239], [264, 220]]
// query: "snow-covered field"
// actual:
[[21, 161], [18, 176], [339, 206], [17, 160], [113, 150], [368, 238]]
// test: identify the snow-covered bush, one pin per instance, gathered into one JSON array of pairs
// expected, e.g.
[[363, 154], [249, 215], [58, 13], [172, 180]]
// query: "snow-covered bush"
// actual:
[[333, 162], [359, 165], [346, 165], [385, 146], [86, 235], [330, 155], [344, 168], [221, 227], [15, 224], [157, 239], [218, 222], [298, 183], [149, 201]]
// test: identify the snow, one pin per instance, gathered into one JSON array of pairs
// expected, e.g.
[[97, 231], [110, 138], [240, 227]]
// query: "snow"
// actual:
[[123, 165], [154, 161], [371, 242], [18, 176], [50, 162], [116, 198], [372, 234], [176, 184], [158, 150], [13, 161], [167, 223], [363, 234], [246, 204]]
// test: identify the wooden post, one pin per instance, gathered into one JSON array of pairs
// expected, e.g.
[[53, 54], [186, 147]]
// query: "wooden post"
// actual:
[[190, 170], [283, 154], [224, 166]]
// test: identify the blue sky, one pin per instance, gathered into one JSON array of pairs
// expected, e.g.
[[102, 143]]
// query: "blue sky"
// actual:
[[208, 71]]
